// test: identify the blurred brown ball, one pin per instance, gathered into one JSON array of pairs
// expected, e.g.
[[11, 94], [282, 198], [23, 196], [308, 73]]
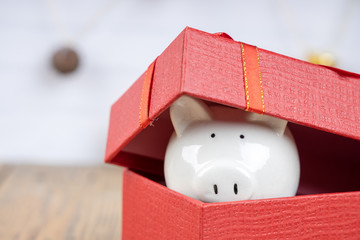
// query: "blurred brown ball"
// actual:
[[65, 60]]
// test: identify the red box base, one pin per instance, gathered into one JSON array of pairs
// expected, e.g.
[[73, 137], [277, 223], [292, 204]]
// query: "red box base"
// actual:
[[152, 211]]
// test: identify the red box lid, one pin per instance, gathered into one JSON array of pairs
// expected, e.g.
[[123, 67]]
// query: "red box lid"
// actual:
[[215, 68]]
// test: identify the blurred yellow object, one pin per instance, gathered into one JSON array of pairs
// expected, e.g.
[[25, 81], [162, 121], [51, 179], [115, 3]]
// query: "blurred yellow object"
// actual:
[[324, 58]]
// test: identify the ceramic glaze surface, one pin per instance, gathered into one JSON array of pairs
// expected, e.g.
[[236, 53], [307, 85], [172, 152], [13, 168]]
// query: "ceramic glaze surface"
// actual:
[[224, 154]]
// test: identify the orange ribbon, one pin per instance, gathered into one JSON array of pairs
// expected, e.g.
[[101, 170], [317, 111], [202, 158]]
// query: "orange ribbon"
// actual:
[[144, 120], [252, 78]]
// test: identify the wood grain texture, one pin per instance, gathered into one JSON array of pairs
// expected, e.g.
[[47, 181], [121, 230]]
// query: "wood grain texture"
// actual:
[[39, 202]]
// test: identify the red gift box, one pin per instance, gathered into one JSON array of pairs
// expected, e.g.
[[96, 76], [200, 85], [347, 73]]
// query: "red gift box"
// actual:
[[320, 103]]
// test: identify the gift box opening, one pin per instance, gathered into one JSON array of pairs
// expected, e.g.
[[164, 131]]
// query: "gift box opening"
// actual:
[[329, 162], [322, 110]]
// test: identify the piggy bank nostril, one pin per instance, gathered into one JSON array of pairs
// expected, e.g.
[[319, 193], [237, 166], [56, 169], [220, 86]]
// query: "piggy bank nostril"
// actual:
[[235, 188], [215, 189]]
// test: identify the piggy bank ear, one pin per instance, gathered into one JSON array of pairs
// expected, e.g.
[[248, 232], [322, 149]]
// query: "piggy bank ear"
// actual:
[[277, 124], [187, 110]]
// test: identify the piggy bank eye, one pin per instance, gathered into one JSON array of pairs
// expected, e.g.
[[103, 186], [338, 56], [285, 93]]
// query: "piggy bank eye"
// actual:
[[212, 135], [242, 136]]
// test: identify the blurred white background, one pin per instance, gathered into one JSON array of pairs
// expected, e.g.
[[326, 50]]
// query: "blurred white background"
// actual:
[[50, 118]]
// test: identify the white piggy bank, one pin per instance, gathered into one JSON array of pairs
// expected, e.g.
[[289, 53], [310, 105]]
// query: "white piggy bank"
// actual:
[[224, 154]]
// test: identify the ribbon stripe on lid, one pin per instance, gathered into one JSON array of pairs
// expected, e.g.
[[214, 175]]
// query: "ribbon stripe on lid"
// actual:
[[144, 120], [252, 78]]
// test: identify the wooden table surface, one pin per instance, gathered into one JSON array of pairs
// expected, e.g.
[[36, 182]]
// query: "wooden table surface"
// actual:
[[42, 202]]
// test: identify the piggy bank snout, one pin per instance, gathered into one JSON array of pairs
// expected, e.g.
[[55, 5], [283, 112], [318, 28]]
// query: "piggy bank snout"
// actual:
[[223, 182]]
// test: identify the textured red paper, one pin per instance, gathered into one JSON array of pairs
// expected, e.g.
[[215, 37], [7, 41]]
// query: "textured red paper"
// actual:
[[152, 211]]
